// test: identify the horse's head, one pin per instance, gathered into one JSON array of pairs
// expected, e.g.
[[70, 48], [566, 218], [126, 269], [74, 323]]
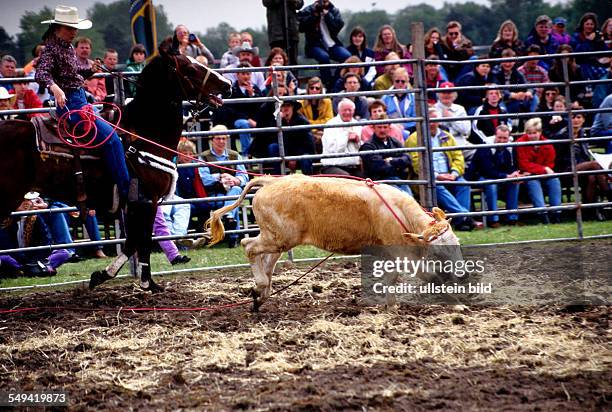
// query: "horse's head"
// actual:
[[196, 81]]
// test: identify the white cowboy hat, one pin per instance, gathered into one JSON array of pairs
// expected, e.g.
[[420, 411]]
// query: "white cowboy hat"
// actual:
[[69, 16], [246, 47], [4, 94]]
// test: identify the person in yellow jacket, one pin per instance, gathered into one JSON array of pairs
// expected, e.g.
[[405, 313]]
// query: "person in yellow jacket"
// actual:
[[447, 166], [317, 111]]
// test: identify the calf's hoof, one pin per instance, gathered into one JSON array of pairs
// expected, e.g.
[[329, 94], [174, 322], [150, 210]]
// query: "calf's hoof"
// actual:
[[98, 278]]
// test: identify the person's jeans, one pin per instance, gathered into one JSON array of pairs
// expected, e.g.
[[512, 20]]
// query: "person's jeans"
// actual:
[[235, 214], [245, 138], [177, 217], [112, 149], [305, 164], [404, 188], [511, 190], [324, 56], [58, 226], [455, 199], [551, 185]]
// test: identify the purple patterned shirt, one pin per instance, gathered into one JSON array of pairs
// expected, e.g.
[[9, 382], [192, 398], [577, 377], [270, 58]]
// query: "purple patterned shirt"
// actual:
[[58, 65]]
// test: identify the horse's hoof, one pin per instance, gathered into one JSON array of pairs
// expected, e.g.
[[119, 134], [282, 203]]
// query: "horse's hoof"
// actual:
[[153, 287], [98, 278]]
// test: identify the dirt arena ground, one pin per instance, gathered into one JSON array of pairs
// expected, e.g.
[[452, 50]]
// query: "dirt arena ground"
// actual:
[[316, 346]]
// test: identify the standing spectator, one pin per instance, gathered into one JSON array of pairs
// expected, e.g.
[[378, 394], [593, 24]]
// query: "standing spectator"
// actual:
[[135, 63], [317, 111], [533, 72], [247, 37], [521, 100], [189, 44], [588, 39], [483, 128], [558, 31], [352, 85], [459, 129], [346, 139], [448, 166], [539, 160], [228, 58], [376, 109], [458, 47], [8, 68], [223, 182], [507, 38], [479, 76], [497, 163], [321, 22], [541, 37], [385, 81], [25, 98], [363, 83], [386, 166], [283, 26], [111, 58], [295, 142], [578, 92], [358, 46], [387, 42], [246, 55], [401, 103]]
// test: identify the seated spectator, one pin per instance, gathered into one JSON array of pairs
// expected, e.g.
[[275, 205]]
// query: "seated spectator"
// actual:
[[385, 81], [548, 99], [246, 55], [387, 42], [364, 85], [479, 76], [401, 103], [6, 103], [558, 31], [228, 58], [497, 163], [321, 22], [190, 44], [447, 166], [376, 109], [540, 35], [578, 92], [601, 90], [266, 117], [278, 57], [177, 217], [359, 47], [295, 142], [36, 52], [8, 68], [507, 38], [483, 128], [433, 45], [241, 116], [551, 125], [342, 140], [434, 79], [351, 85], [458, 47], [316, 111], [533, 72], [25, 98], [246, 37], [223, 182], [521, 100], [135, 63], [281, 79], [606, 33], [590, 185], [539, 160], [189, 184], [588, 39], [459, 129], [602, 123], [386, 166], [111, 58]]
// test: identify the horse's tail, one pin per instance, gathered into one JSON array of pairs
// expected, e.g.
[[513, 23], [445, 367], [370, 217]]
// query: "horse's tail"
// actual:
[[217, 231]]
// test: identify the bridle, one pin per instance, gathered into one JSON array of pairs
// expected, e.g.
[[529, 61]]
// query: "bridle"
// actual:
[[198, 106]]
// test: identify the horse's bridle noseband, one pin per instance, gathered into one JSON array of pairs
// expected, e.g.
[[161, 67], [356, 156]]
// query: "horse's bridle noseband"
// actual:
[[197, 107]]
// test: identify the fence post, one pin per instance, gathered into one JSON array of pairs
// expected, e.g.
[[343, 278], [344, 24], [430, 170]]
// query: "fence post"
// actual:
[[420, 100], [570, 132], [279, 124]]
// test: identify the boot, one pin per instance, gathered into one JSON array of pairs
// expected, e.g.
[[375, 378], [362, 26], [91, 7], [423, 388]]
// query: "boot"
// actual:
[[544, 218]]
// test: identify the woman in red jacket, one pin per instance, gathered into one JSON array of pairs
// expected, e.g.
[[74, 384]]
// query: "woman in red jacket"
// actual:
[[539, 160]]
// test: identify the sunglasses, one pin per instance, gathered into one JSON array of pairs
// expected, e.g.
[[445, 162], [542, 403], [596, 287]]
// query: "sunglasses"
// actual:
[[453, 33], [315, 88], [550, 94], [399, 81]]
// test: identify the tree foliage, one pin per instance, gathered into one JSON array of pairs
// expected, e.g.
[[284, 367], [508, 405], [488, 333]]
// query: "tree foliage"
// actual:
[[7, 44]]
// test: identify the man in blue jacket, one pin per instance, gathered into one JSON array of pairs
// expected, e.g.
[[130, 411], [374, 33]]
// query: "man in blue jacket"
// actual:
[[321, 22], [497, 163]]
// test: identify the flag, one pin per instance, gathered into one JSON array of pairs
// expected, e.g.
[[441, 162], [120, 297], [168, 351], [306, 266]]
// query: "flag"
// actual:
[[142, 19]]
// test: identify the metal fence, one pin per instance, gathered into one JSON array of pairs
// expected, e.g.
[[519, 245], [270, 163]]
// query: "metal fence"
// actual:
[[426, 179]]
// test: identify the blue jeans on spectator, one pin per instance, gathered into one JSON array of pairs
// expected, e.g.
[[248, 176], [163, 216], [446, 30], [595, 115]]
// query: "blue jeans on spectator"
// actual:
[[235, 214], [112, 149], [552, 185], [455, 199], [177, 217], [324, 56], [305, 164], [245, 138], [511, 190], [58, 226], [404, 188]]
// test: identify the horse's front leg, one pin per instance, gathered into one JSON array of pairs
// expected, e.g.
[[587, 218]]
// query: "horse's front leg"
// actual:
[[144, 248]]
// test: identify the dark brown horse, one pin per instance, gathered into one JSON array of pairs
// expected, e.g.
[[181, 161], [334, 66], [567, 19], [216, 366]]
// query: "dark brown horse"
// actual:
[[156, 114]]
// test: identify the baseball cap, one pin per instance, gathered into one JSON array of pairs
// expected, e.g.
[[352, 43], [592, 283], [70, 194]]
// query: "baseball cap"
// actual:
[[447, 85], [542, 19], [560, 21]]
